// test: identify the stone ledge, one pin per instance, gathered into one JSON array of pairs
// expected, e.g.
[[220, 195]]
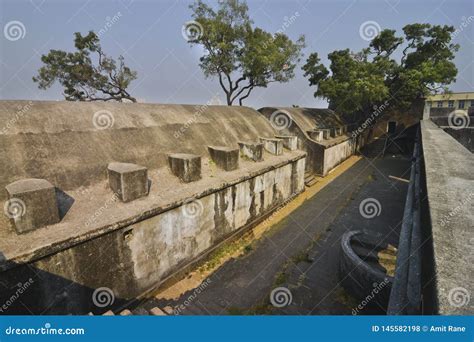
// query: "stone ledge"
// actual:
[[72, 230], [450, 189]]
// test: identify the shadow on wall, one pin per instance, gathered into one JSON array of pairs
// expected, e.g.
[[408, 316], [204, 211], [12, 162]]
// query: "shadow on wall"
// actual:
[[23, 288]]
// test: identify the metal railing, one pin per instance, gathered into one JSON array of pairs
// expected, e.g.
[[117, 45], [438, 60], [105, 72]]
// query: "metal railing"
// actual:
[[405, 297]]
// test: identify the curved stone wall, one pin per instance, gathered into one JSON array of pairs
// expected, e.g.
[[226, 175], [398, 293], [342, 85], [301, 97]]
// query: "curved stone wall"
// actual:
[[71, 143], [325, 153]]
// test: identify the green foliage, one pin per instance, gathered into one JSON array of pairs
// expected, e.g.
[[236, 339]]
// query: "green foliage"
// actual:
[[358, 81], [81, 78], [241, 56]]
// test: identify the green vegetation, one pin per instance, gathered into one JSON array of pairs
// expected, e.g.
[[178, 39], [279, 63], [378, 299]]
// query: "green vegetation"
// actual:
[[241, 56], [359, 81], [82, 79]]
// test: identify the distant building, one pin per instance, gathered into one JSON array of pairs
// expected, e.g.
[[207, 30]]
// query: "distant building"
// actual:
[[442, 104]]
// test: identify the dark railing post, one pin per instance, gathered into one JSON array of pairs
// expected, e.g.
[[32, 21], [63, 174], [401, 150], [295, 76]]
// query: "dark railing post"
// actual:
[[405, 296]]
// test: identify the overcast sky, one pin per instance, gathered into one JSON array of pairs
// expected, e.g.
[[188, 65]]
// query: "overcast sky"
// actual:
[[149, 35]]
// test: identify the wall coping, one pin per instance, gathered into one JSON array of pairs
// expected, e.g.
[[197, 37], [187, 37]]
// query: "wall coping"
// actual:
[[166, 193], [450, 189]]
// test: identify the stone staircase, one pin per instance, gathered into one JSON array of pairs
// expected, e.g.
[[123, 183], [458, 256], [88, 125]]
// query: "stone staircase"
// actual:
[[310, 179]]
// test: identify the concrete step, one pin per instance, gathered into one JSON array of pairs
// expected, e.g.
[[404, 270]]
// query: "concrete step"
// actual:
[[311, 182], [140, 312], [156, 311], [309, 179], [125, 312]]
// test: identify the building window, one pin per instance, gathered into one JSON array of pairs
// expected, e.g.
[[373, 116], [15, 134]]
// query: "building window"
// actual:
[[472, 103], [461, 104], [451, 104], [440, 104]]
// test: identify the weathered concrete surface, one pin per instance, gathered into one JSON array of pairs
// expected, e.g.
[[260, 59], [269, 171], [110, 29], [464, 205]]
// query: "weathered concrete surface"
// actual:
[[130, 247], [465, 136], [71, 143], [403, 119], [326, 133], [450, 190], [301, 252], [220, 214], [336, 154], [185, 166], [251, 150], [225, 157], [32, 204], [289, 141], [128, 181], [316, 135], [274, 146], [96, 211], [303, 121]]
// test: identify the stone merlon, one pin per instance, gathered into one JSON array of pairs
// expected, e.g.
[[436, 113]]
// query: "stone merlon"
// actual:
[[185, 166], [128, 181], [31, 204], [227, 158]]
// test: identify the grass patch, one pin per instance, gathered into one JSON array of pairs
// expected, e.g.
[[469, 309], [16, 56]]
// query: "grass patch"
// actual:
[[215, 258], [343, 297], [280, 278]]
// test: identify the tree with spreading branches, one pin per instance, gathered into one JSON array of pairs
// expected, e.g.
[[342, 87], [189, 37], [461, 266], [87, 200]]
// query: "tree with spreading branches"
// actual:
[[240, 56], [83, 77], [356, 82]]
